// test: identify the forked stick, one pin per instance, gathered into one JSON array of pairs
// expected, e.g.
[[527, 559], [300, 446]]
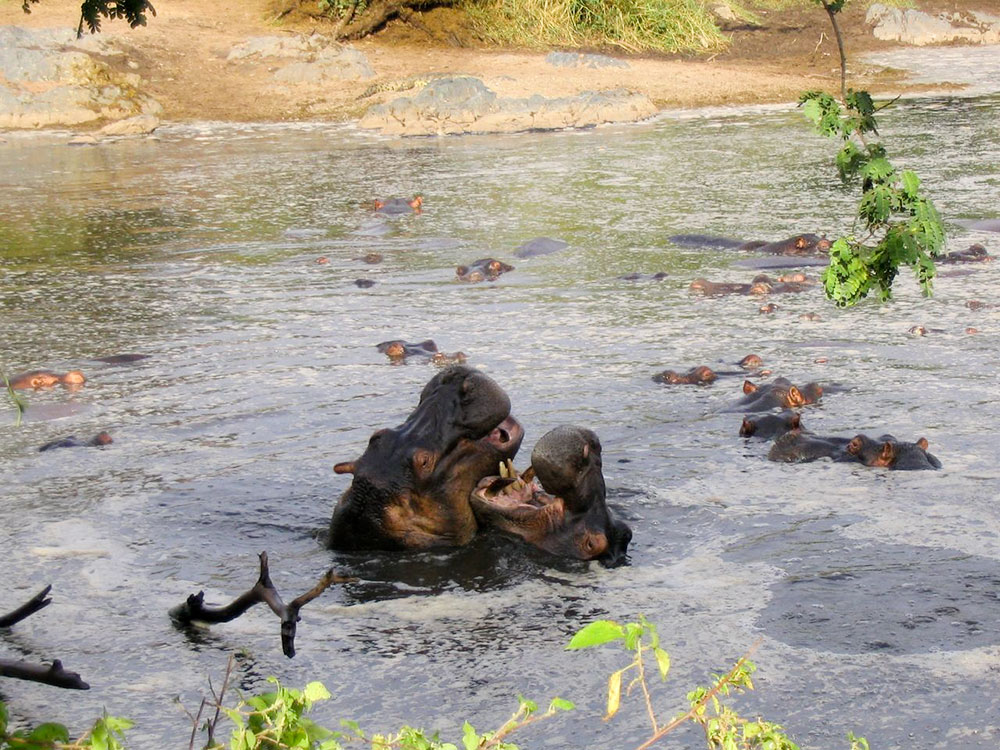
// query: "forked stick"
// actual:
[[195, 610], [37, 602]]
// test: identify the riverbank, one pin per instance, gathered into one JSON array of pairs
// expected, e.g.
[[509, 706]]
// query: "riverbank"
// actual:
[[183, 58]]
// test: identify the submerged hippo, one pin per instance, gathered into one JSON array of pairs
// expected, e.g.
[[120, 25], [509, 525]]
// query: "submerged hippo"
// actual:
[[412, 484], [46, 379], [398, 205], [890, 453], [540, 246], [484, 269], [972, 254], [768, 426], [760, 285], [101, 438], [778, 394], [799, 245], [701, 375], [801, 446], [398, 351], [567, 515]]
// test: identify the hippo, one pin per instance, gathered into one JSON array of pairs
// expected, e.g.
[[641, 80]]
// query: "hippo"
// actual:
[[751, 362], [636, 276], [760, 285], [704, 240], [100, 439], [701, 375], [984, 225], [121, 359], [975, 304], [398, 351], [717, 288], [411, 486], [567, 514], [364, 283], [890, 453], [768, 426], [799, 245], [540, 246], [46, 379], [779, 394], [801, 446], [972, 254], [484, 269], [399, 205]]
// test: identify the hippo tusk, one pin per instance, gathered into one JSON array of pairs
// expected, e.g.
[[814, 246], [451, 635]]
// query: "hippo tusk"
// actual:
[[346, 467]]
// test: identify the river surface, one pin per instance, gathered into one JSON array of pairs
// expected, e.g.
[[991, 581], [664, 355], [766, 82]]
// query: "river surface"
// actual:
[[875, 595]]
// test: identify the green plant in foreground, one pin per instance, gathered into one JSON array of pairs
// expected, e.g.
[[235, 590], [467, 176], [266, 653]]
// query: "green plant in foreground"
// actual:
[[108, 733], [899, 225], [724, 728], [19, 403]]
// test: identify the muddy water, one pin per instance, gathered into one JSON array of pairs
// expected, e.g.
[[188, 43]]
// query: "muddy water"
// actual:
[[874, 594]]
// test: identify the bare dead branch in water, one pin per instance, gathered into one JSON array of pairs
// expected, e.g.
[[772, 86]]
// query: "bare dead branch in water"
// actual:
[[35, 603], [195, 610], [53, 675]]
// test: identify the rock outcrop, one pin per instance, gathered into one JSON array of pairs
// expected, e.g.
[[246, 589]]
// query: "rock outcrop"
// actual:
[[310, 59], [915, 27], [50, 78], [463, 104]]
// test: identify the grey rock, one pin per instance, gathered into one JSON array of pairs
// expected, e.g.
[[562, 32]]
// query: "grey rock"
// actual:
[[315, 58], [465, 105], [51, 79], [581, 60], [138, 125], [918, 28]]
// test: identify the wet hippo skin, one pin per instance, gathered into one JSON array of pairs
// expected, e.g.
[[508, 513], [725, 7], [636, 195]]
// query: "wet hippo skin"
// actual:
[[568, 514], [412, 484]]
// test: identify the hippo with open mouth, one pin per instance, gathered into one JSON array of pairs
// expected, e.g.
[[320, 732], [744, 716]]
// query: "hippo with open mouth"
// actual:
[[567, 515], [412, 484]]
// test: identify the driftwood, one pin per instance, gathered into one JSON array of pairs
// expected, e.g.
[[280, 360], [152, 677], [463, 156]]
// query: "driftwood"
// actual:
[[195, 610], [54, 674]]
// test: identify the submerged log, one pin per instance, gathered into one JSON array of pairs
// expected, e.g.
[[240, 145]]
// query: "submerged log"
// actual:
[[54, 674]]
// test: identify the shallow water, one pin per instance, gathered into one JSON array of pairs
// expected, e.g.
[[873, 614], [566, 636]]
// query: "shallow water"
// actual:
[[874, 594]]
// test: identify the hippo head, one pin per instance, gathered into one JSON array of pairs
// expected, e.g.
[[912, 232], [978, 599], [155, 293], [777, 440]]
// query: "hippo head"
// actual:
[[890, 453], [412, 484], [770, 425], [567, 515]]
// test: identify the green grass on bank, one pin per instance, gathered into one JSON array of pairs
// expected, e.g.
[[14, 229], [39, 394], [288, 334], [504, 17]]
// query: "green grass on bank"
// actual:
[[632, 25]]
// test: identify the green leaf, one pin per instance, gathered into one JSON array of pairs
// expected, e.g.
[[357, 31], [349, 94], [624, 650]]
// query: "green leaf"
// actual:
[[561, 704], [662, 662], [316, 691], [911, 183], [596, 634], [469, 737]]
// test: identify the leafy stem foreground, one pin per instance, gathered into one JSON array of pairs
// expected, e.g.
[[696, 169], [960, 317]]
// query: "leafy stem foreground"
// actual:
[[899, 226], [277, 719]]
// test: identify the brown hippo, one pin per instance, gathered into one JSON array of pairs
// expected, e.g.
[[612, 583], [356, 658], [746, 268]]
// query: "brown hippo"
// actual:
[[751, 362], [101, 438], [47, 379], [801, 446], [399, 351], [779, 394], [890, 453], [399, 205], [799, 245], [567, 515], [412, 484], [484, 269], [972, 254], [701, 375], [768, 426]]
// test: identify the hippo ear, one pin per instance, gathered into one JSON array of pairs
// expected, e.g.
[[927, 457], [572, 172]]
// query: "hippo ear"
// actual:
[[461, 270], [796, 421], [423, 462], [749, 387], [748, 428], [923, 444], [888, 452], [586, 450], [854, 447], [345, 467], [800, 242], [795, 397]]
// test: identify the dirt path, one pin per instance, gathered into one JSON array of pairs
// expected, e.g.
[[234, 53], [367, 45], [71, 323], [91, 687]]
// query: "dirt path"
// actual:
[[181, 55]]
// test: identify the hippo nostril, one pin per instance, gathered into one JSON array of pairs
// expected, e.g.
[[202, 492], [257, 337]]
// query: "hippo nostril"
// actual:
[[504, 435]]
